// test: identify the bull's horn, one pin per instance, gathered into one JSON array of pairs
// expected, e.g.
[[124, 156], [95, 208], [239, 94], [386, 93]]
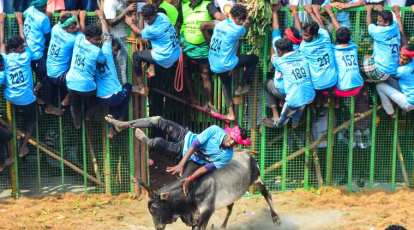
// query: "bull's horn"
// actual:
[[145, 186]]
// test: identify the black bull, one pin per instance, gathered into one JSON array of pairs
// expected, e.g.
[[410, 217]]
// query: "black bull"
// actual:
[[216, 190]]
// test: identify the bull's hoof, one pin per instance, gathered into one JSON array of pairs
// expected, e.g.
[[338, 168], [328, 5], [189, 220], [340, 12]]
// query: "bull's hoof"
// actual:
[[276, 219]]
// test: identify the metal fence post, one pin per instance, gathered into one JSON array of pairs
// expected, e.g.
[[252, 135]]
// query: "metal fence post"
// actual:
[[351, 142]]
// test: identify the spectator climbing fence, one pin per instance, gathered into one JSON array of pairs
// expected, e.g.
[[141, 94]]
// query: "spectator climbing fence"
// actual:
[[331, 146]]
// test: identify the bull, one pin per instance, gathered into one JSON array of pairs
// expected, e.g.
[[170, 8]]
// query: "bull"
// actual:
[[216, 190]]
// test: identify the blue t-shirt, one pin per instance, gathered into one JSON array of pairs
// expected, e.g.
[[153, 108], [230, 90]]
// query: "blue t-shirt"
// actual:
[[36, 25], [222, 55], [210, 150], [107, 82], [17, 78], [297, 79], [386, 47], [342, 16], [320, 56], [60, 51], [346, 58], [164, 41], [81, 74], [405, 74], [277, 79]]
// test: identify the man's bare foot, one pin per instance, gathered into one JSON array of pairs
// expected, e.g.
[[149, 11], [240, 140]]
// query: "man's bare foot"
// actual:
[[141, 90], [227, 118], [53, 110], [140, 135], [118, 125], [23, 150]]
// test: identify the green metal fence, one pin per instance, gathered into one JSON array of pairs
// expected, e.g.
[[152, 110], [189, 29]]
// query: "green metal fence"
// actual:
[[288, 158]]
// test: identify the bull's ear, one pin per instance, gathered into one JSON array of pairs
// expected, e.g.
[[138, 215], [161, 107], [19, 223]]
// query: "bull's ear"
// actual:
[[146, 188], [164, 195]]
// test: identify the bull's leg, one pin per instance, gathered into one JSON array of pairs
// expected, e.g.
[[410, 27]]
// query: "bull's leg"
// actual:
[[229, 210], [268, 197], [203, 220]]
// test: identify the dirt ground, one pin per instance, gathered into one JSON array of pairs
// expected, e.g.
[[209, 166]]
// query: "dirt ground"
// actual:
[[326, 208]]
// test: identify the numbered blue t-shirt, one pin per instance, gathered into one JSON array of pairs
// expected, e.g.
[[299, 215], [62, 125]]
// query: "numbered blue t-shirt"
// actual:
[[405, 74], [162, 35], [297, 79], [36, 25], [320, 56], [81, 74], [386, 48], [107, 81], [222, 55], [17, 78], [210, 150], [346, 59], [60, 51]]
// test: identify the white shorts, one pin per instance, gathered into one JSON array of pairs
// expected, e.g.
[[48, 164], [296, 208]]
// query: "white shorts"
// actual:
[[400, 3], [299, 2]]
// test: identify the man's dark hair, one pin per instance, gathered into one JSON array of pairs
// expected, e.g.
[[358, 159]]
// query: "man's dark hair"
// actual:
[[284, 45], [14, 43], [149, 10], [312, 28], [239, 11], [395, 227], [386, 15], [64, 17], [93, 30], [343, 35], [243, 133]]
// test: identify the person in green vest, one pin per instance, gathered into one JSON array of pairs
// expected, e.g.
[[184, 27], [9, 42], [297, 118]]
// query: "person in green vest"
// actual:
[[195, 14], [168, 9]]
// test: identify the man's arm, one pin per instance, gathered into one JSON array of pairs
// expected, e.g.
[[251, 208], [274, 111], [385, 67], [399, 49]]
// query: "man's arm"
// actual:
[[351, 4], [131, 22], [179, 168], [131, 8], [19, 19], [206, 29], [275, 17], [296, 19], [214, 12], [335, 22], [369, 14], [104, 24]]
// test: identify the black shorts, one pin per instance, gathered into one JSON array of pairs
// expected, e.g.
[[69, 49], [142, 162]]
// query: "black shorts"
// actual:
[[28, 114], [5, 135]]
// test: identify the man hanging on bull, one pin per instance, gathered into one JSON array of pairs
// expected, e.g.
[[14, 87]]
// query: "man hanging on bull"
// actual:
[[200, 153]]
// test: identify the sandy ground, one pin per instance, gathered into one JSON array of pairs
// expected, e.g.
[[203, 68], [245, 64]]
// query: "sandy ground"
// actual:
[[320, 209]]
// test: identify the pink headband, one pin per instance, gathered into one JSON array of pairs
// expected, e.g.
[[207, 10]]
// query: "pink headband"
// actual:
[[407, 52], [234, 133], [291, 36]]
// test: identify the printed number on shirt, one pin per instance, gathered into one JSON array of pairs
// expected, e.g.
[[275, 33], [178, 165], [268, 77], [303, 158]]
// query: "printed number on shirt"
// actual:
[[215, 45], [394, 49], [349, 60], [79, 61], [17, 78], [299, 73], [26, 28], [323, 61], [54, 50]]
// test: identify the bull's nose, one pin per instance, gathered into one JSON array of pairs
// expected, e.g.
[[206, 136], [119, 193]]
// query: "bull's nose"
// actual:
[[160, 226]]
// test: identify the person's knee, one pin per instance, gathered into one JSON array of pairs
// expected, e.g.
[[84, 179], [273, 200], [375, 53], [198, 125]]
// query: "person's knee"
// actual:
[[156, 120]]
